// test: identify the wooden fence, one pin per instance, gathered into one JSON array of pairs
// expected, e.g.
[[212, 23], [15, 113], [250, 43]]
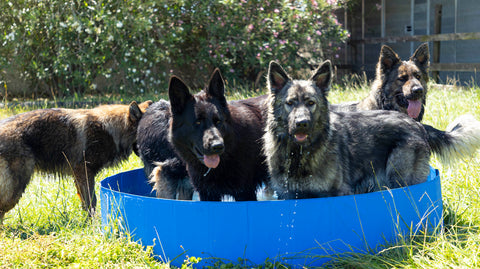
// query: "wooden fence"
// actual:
[[436, 38]]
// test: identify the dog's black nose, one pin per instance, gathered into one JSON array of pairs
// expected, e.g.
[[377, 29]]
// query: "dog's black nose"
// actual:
[[217, 148], [417, 90], [302, 124]]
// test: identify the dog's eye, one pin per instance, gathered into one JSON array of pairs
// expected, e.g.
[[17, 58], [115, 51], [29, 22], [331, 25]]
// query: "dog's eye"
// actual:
[[310, 103], [289, 103], [217, 122], [402, 79], [198, 122], [417, 76]]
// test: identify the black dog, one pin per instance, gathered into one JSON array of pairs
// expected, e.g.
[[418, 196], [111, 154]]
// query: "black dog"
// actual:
[[220, 142], [166, 170]]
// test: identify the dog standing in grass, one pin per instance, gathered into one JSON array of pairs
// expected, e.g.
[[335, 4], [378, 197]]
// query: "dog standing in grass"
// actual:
[[314, 152], [65, 141], [398, 85]]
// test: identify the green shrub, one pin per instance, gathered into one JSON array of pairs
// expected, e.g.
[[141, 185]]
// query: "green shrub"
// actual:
[[65, 47]]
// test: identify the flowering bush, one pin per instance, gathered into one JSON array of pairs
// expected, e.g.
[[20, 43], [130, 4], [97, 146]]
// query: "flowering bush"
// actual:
[[64, 47]]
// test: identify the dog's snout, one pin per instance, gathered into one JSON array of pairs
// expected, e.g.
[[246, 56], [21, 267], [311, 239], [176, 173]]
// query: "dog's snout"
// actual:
[[217, 148], [417, 90], [302, 123]]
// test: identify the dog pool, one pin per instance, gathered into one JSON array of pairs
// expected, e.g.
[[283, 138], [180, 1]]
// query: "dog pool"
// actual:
[[305, 232]]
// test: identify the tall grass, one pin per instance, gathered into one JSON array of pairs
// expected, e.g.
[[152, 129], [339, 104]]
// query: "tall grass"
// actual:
[[48, 228]]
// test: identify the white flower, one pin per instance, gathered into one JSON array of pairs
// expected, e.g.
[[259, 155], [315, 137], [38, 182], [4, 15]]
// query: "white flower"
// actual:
[[11, 36], [119, 24]]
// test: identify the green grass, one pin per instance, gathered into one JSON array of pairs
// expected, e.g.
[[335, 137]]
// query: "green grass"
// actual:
[[49, 229]]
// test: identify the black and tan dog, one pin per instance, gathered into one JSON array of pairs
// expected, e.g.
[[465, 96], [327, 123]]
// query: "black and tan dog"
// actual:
[[314, 152], [398, 85], [64, 141]]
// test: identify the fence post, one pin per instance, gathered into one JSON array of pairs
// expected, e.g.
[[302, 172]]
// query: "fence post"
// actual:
[[436, 44]]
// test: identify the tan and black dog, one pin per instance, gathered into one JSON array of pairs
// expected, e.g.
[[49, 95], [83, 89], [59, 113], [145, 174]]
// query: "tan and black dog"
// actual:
[[79, 142], [398, 85], [314, 152]]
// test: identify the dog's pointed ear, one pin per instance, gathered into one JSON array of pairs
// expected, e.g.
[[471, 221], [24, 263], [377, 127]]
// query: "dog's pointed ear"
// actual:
[[134, 112], [322, 76], [179, 95], [421, 57], [388, 58], [144, 105], [277, 77], [216, 85]]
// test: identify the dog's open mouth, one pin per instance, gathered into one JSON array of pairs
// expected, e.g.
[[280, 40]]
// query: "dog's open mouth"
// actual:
[[210, 161], [414, 108], [300, 137]]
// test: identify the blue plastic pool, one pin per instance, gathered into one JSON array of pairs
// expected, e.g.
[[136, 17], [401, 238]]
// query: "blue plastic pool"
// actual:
[[298, 232]]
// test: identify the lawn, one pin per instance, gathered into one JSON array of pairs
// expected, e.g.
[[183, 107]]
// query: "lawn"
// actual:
[[48, 228]]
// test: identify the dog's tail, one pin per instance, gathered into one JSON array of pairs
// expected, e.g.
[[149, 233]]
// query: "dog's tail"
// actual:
[[460, 139]]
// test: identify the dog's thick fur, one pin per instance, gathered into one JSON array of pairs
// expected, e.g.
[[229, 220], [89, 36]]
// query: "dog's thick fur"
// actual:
[[398, 85], [220, 141], [64, 141], [314, 152], [167, 172]]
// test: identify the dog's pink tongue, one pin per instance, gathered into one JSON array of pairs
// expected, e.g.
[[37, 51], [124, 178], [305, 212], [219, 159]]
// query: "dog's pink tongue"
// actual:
[[300, 137], [414, 107], [211, 161]]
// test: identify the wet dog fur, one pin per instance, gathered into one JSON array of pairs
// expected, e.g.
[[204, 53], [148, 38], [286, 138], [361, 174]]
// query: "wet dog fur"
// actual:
[[166, 171], [79, 142], [219, 141], [314, 152]]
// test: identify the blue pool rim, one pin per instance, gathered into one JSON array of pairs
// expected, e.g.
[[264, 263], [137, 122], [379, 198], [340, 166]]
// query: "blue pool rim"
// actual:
[[305, 232]]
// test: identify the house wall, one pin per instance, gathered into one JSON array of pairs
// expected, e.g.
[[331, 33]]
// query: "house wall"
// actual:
[[458, 16]]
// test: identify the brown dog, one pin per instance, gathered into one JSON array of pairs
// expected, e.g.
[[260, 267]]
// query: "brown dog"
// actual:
[[65, 141], [398, 85]]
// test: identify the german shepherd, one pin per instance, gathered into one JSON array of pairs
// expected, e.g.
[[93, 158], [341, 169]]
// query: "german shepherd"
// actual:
[[398, 85], [219, 141], [167, 172], [314, 152], [65, 141]]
